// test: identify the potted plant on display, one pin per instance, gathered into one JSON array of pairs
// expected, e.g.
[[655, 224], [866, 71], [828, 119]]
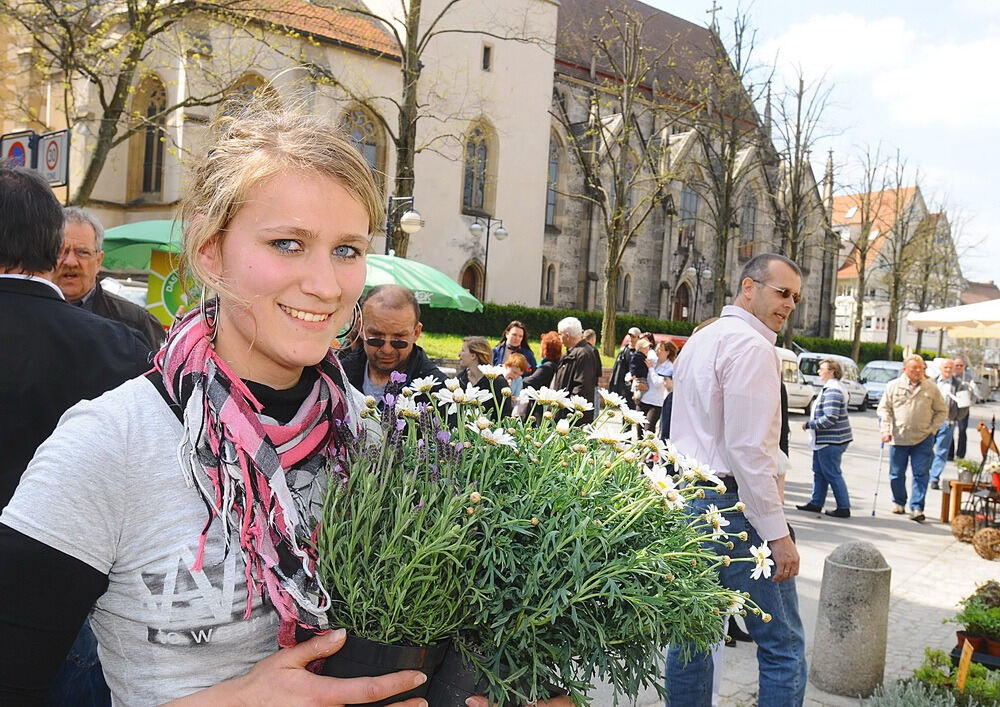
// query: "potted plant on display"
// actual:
[[395, 541], [980, 617], [533, 558], [590, 565]]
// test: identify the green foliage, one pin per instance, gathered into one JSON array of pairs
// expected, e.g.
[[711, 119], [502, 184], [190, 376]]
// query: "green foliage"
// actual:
[[989, 593], [910, 693], [936, 677], [980, 612], [967, 465]]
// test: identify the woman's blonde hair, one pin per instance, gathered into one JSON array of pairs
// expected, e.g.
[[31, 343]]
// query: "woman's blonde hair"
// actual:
[[258, 143], [479, 347]]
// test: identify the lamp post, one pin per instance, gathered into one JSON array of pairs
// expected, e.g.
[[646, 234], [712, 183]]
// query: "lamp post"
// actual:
[[476, 228], [698, 269], [410, 222]]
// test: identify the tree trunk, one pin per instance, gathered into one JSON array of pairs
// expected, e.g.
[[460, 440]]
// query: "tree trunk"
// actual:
[[108, 129], [406, 142], [609, 343], [893, 324], [859, 313], [719, 289]]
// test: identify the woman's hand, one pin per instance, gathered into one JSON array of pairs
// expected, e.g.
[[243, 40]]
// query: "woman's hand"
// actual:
[[561, 701], [282, 678], [805, 425]]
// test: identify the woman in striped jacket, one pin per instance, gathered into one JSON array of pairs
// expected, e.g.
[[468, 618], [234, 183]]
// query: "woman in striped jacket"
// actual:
[[831, 433]]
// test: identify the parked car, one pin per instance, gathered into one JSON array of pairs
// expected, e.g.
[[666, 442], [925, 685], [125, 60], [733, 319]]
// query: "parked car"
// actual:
[[876, 374], [857, 395], [801, 395]]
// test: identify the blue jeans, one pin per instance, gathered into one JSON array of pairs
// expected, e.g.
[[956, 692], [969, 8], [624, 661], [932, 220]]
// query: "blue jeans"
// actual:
[[781, 658], [919, 457], [80, 680], [826, 473], [942, 441]]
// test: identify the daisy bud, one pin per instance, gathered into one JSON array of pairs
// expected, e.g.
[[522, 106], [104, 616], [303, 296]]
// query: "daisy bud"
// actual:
[[581, 448], [670, 577], [765, 617], [475, 497], [370, 401], [470, 510], [740, 506], [506, 392], [721, 488], [726, 560], [700, 493], [730, 545], [630, 457], [547, 415], [534, 521], [743, 535], [407, 393], [538, 445]]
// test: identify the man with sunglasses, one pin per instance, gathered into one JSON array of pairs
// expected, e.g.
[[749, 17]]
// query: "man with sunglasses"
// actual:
[[390, 328], [76, 274], [726, 413]]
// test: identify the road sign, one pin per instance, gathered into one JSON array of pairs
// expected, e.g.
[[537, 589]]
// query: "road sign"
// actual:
[[16, 149], [53, 157]]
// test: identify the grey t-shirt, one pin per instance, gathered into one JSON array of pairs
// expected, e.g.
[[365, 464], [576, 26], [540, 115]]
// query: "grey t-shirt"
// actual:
[[107, 488]]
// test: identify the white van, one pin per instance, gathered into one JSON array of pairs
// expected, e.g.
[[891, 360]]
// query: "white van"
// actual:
[[800, 394], [857, 394]]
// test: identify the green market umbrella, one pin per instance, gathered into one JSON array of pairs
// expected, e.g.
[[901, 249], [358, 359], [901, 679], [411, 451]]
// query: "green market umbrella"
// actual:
[[432, 287], [128, 247]]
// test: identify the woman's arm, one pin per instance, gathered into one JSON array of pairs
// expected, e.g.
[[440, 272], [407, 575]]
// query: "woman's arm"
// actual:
[[45, 596]]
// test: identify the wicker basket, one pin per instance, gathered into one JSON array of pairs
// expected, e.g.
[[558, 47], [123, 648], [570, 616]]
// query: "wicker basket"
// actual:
[[987, 543], [963, 526]]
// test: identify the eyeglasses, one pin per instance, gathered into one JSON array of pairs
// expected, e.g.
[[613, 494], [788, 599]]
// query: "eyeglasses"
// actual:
[[377, 343], [80, 253], [783, 291]]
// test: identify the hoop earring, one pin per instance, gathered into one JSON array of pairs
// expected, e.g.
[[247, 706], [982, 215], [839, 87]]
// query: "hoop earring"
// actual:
[[211, 320], [357, 327]]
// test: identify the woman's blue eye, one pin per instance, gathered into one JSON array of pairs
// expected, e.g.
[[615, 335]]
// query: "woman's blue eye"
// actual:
[[286, 245], [346, 251]]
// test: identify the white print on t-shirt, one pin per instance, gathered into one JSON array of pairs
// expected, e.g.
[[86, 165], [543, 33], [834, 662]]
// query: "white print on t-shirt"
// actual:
[[190, 606]]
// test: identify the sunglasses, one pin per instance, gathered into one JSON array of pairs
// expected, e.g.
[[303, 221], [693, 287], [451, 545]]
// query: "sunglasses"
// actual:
[[377, 343], [783, 291]]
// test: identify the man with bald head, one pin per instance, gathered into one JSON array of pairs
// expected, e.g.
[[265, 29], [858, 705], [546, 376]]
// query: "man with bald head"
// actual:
[[390, 329], [726, 413]]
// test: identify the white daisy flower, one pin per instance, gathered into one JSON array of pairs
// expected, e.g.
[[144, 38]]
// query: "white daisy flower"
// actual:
[[481, 423], [762, 562], [562, 427], [633, 417], [492, 372], [498, 438], [737, 605], [407, 407], [612, 399], [452, 384], [664, 485], [548, 396], [714, 517], [452, 397], [476, 396], [609, 436], [425, 384], [580, 403]]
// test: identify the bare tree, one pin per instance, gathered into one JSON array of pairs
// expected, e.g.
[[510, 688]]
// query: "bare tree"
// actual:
[[900, 248], [728, 132], [935, 279], [91, 52], [866, 222], [802, 213], [620, 144]]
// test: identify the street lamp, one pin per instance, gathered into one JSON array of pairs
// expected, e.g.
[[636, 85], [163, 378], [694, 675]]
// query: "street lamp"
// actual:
[[698, 269], [410, 222], [477, 229]]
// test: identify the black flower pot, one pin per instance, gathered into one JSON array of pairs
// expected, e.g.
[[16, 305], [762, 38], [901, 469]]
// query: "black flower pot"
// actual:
[[360, 657], [455, 681]]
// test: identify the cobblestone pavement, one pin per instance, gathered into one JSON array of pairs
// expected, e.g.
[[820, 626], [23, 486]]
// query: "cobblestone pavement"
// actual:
[[931, 571]]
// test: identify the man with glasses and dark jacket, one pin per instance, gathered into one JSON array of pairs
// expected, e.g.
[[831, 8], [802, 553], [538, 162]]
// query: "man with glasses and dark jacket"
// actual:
[[390, 328]]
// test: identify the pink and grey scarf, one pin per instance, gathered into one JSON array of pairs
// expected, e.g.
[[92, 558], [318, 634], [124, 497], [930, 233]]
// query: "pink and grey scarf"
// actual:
[[241, 465]]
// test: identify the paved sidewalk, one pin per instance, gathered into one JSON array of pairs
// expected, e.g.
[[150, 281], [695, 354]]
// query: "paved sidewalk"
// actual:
[[931, 571]]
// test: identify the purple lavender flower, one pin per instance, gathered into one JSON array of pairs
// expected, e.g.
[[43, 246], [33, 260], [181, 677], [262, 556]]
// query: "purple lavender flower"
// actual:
[[397, 377]]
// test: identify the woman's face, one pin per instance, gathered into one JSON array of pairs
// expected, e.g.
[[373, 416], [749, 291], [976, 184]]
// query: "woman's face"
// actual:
[[293, 259], [467, 358], [515, 336], [825, 373]]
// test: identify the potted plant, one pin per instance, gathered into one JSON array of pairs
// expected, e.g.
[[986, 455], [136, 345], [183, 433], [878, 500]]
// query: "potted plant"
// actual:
[[980, 615], [395, 541], [592, 565]]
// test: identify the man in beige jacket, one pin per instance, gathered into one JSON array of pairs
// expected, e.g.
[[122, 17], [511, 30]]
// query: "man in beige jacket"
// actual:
[[911, 411]]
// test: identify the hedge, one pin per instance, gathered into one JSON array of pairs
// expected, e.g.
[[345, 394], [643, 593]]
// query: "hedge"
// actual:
[[494, 317]]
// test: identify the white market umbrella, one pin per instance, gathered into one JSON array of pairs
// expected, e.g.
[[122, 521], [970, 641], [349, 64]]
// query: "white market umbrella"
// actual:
[[968, 321]]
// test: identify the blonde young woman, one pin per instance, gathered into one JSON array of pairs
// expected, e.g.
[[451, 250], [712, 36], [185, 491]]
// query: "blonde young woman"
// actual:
[[180, 505]]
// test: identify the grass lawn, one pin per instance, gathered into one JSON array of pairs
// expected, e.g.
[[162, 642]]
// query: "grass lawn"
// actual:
[[447, 346]]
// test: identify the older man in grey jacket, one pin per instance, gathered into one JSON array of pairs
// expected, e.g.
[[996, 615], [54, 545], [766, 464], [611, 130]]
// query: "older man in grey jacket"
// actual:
[[911, 411]]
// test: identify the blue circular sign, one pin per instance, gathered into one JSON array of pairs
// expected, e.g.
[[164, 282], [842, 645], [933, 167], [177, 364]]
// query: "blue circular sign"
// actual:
[[17, 155]]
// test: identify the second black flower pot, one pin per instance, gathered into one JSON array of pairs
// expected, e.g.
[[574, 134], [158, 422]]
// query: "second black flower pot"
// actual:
[[360, 657], [455, 681]]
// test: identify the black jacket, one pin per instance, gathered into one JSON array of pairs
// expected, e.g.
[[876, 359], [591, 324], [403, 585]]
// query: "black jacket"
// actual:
[[53, 356], [119, 309], [617, 382], [542, 375], [417, 366], [577, 374]]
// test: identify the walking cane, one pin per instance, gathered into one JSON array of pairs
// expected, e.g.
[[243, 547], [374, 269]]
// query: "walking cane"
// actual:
[[878, 476]]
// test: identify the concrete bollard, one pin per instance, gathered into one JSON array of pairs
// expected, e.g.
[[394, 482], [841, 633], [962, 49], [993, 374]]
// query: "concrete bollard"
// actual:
[[853, 619]]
